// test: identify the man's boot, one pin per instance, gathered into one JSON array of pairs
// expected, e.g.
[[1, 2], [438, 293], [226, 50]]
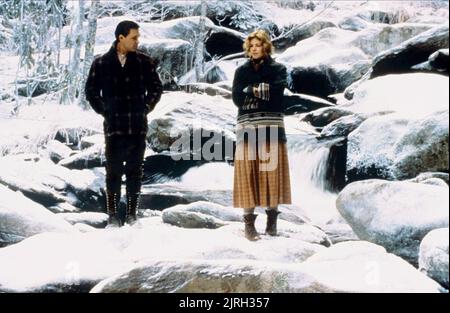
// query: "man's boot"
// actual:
[[132, 207], [250, 230], [271, 228], [112, 207]]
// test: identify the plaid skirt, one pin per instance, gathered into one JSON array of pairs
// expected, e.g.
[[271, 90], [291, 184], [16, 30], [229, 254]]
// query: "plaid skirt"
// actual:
[[261, 175]]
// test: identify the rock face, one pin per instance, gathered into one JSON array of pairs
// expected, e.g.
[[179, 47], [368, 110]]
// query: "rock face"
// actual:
[[398, 148], [413, 51], [343, 126], [21, 218], [433, 255], [345, 267], [325, 116], [395, 215], [347, 57], [52, 185], [300, 33], [94, 219], [188, 123], [423, 147], [173, 56], [89, 158]]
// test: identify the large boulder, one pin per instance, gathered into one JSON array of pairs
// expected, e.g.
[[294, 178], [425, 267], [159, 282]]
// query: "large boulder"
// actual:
[[346, 267], [437, 62], [416, 50], [188, 124], [295, 103], [343, 126], [335, 58], [433, 255], [381, 37], [94, 219], [295, 33], [86, 159], [56, 151], [220, 40], [72, 262], [51, 185], [173, 56], [325, 116], [409, 99], [395, 215], [430, 175], [423, 147], [313, 72], [21, 218], [399, 147]]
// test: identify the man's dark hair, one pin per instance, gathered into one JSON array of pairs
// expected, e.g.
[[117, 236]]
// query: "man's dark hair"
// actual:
[[123, 28]]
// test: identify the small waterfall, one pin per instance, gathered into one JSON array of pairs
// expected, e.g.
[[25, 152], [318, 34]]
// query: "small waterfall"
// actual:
[[308, 168]]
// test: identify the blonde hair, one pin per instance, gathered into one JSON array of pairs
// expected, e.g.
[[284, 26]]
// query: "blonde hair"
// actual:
[[261, 35]]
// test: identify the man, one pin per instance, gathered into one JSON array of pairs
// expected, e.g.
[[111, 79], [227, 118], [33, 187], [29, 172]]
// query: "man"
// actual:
[[123, 86]]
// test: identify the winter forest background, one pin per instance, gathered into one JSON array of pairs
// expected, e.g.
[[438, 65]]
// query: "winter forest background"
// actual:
[[367, 126]]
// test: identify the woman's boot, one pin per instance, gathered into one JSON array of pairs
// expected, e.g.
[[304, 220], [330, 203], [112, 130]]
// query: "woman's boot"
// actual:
[[250, 230], [271, 228]]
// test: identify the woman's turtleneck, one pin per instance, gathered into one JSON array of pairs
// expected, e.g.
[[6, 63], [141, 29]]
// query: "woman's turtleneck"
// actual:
[[257, 63]]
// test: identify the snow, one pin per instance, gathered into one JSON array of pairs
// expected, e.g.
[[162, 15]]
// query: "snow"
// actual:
[[104, 253], [412, 95], [35, 125]]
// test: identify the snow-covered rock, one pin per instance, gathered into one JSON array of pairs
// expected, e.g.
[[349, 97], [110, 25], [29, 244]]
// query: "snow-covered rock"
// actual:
[[56, 151], [174, 57], [216, 210], [423, 146], [346, 267], [335, 58], [31, 177], [190, 219], [395, 215], [314, 70], [353, 23], [221, 40], [86, 159], [180, 116], [396, 147], [433, 255], [85, 258], [427, 175], [21, 218], [90, 141], [438, 62], [325, 116], [94, 219], [416, 50], [407, 98], [50, 185], [295, 33], [209, 89], [343, 125]]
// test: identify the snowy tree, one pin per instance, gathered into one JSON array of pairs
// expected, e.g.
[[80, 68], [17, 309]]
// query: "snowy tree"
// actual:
[[35, 24], [199, 45], [89, 49], [73, 68]]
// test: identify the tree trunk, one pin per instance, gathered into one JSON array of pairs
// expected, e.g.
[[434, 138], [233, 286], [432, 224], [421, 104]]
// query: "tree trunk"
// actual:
[[200, 44], [75, 60]]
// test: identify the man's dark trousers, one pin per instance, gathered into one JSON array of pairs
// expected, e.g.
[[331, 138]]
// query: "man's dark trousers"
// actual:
[[124, 155]]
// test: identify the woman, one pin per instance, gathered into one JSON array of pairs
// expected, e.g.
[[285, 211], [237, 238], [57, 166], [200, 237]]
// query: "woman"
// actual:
[[261, 168]]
